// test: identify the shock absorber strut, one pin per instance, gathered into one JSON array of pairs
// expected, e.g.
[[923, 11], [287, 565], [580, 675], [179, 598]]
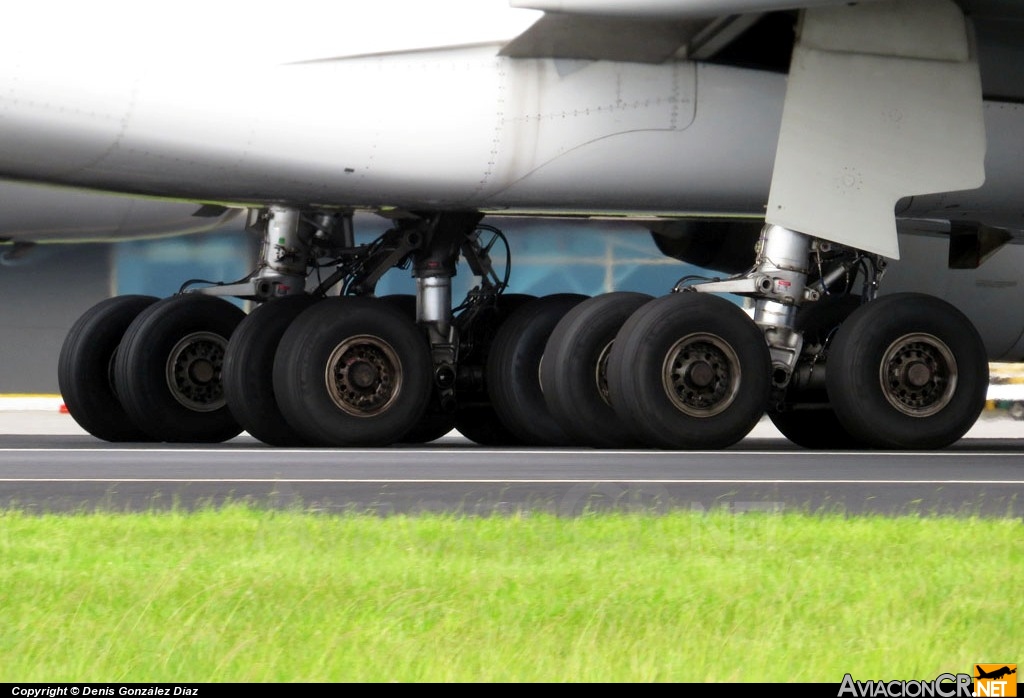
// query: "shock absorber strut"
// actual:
[[778, 284], [783, 259], [289, 238], [433, 270]]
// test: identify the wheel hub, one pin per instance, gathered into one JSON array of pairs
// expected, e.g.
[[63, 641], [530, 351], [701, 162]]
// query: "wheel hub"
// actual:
[[202, 371], [701, 375], [363, 376], [918, 375], [194, 371]]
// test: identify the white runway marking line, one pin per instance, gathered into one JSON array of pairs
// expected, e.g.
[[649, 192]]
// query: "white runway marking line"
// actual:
[[513, 481], [481, 452]]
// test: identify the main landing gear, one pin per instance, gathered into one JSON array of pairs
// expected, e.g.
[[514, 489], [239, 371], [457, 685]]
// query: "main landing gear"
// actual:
[[327, 363], [849, 370]]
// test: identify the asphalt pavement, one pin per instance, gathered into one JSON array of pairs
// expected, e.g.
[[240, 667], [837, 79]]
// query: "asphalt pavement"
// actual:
[[48, 419]]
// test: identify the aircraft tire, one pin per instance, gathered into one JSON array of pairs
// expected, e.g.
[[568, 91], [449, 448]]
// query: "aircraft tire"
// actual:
[[353, 372], [574, 375], [170, 366], [436, 422], [908, 371], [817, 428], [475, 417], [814, 429], [431, 427], [689, 371], [85, 368], [248, 373], [513, 370]]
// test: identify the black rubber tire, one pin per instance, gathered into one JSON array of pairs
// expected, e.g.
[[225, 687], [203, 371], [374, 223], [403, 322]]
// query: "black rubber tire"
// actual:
[[307, 351], [431, 427], [85, 368], [152, 343], [405, 302], [436, 422], [513, 370], [475, 417], [646, 355], [248, 373], [817, 428], [898, 330], [571, 369]]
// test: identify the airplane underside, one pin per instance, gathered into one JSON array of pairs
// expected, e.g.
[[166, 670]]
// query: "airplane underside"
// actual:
[[865, 123], [323, 361]]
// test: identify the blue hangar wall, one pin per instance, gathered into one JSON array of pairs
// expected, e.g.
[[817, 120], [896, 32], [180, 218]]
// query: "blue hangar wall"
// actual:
[[548, 256]]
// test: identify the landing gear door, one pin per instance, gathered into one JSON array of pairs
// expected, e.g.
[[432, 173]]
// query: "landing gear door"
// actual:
[[883, 101]]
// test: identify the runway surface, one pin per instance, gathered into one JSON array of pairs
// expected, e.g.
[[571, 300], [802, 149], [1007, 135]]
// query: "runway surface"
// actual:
[[47, 464]]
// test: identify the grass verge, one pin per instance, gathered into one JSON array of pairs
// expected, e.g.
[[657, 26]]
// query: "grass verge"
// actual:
[[240, 594]]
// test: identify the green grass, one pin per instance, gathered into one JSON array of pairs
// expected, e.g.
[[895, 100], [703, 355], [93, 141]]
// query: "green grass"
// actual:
[[247, 595]]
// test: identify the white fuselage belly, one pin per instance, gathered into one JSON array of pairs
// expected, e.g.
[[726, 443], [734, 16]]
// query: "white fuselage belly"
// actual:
[[37, 213], [457, 128]]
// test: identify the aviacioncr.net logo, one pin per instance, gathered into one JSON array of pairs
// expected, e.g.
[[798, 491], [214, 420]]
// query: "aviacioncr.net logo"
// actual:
[[986, 681], [995, 680], [944, 686]]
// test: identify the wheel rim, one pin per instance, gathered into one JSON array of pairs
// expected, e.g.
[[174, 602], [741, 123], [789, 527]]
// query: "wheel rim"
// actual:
[[194, 371], [701, 375], [918, 374], [364, 376]]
